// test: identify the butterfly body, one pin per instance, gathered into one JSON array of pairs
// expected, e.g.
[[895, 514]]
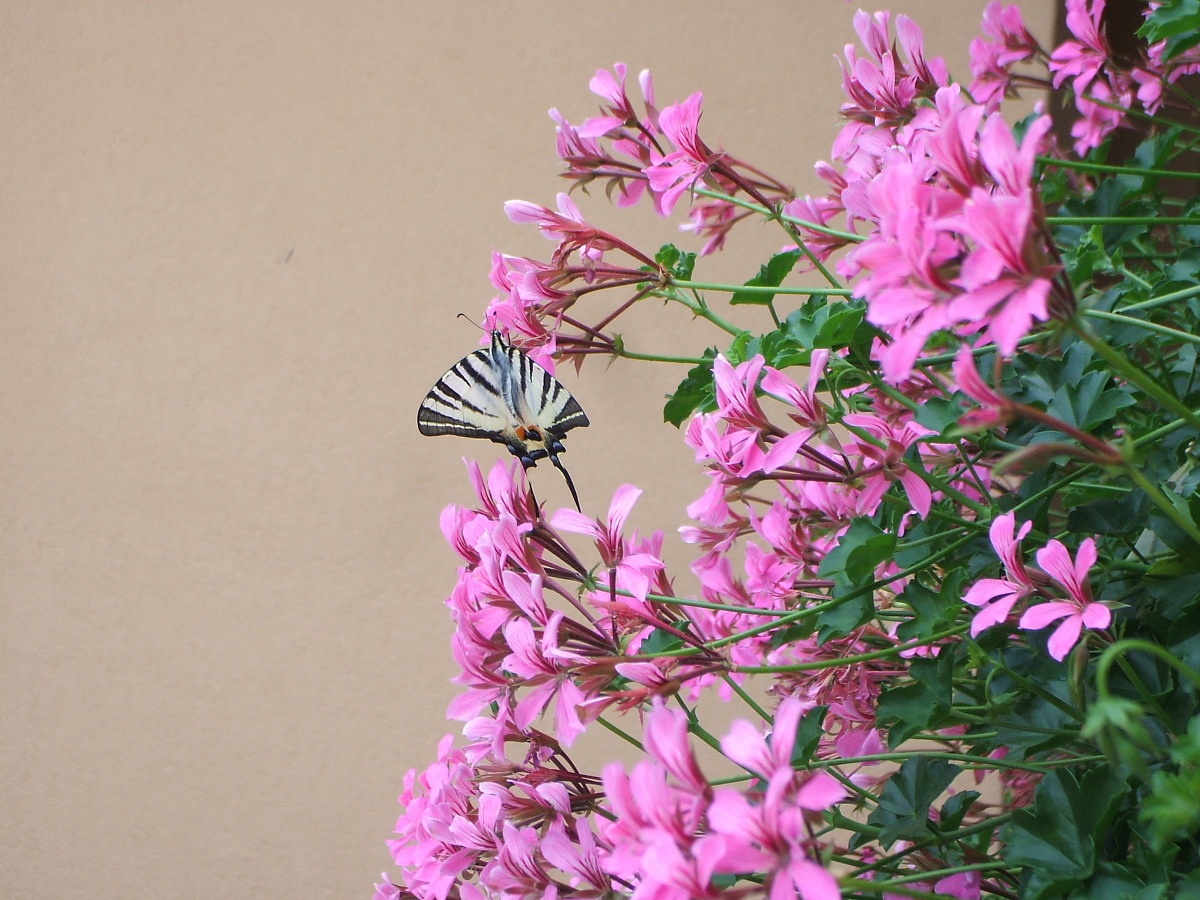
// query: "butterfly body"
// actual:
[[500, 394]]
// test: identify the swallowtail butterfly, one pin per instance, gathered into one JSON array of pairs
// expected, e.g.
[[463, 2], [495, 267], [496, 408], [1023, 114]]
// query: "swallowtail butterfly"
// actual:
[[501, 394]]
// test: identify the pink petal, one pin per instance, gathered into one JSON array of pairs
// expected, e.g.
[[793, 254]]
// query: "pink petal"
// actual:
[[1044, 613], [919, 494], [575, 522], [820, 791], [815, 883], [1097, 616], [1055, 560], [1065, 637], [987, 589], [622, 502]]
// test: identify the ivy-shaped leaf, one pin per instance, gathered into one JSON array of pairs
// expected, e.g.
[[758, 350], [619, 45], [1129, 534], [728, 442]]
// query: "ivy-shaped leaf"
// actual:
[[903, 810], [678, 263], [695, 392], [769, 275]]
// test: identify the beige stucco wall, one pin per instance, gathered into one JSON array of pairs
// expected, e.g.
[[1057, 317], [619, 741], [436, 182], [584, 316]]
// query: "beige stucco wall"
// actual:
[[233, 240]]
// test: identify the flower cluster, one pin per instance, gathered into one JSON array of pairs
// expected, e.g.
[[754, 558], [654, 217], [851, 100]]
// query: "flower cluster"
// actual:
[[935, 546]]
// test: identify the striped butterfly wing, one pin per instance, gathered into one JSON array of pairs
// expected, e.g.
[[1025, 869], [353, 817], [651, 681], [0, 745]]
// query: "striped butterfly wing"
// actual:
[[503, 395], [468, 401], [546, 403]]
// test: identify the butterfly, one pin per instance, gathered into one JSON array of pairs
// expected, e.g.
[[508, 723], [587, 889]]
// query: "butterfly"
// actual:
[[501, 394]]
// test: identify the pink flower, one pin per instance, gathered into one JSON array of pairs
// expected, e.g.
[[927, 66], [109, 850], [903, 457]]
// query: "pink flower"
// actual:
[[747, 746], [888, 459], [1098, 120], [1010, 166], [586, 160], [995, 406], [1079, 609], [1084, 58], [1007, 278], [810, 412], [1008, 43], [1087, 60], [818, 211], [537, 665], [712, 220], [768, 830], [995, 597], [666, 740], [582, 859], [567, 226], [735, 392], [672, 175], [608, 533], [610, 86]]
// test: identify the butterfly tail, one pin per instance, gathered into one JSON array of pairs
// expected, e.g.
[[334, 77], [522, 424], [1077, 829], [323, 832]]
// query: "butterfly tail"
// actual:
[[567, 475]]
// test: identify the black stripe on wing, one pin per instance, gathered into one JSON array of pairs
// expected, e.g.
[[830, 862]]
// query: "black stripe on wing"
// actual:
[[570, 416], [552, 404], [448, 407], [432, 423]]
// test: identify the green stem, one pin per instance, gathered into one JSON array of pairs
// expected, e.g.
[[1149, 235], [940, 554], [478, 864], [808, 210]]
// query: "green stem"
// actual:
[[797, 615], [845, 660], [785, 221], [750, 701], [930, 479], [1152, 436], [1119, 319], [760, 289], [961, 834], [1122, 220], [1143, 691], [1133, 374], [764, 211], [969, 760], [1132, 276], [881, 887], [655, 357], [1159, 499], [952, 870], [695, 727], [1164, 300], [620, 732], [1120, 648], [1114, 170], [702, 604], [700, 308]]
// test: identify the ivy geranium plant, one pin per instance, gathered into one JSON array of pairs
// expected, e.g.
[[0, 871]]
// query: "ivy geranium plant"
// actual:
[[949, 552]]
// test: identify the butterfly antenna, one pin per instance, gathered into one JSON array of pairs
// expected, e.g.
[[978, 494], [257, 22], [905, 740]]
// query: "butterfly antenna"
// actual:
[[469, 319], [567, 475]]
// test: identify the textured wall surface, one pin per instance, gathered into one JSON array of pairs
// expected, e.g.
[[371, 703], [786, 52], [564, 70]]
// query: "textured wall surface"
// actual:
[[233, 241]]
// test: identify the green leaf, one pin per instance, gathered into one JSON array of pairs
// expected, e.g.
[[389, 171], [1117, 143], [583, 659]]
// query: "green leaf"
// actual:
[[1107, 516], [955, 810], [676, 261], [859, 552], [695, 392], [903, 810], [779, 350], [769, 275], [659, 641], [1113, 882], [809, 732], [938, 414], [1175, 21], [851, 566], [1088, 403], [1056, 840], [923, 706], [933, 611]]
